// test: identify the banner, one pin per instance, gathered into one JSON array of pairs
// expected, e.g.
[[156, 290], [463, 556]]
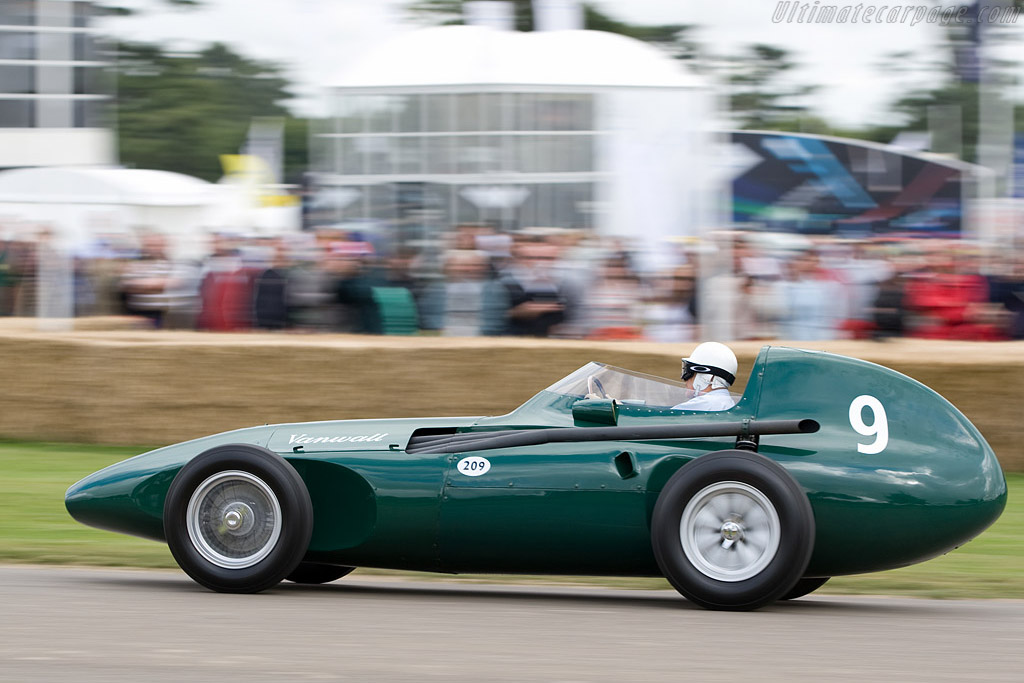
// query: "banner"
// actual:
[[819, 185]]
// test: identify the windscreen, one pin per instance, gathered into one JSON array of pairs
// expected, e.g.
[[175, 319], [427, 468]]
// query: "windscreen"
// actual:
[[626, 386]]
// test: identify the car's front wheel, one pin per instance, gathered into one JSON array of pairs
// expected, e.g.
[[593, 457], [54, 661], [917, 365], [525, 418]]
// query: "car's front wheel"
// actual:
[[238, 518], [732, 530]]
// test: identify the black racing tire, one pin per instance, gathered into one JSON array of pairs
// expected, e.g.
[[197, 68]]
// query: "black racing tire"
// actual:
[[313, 572], [238, 518], [732, 530], [805, 586]]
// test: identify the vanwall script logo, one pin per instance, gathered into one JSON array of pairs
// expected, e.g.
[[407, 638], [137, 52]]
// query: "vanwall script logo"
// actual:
[[307, 439]]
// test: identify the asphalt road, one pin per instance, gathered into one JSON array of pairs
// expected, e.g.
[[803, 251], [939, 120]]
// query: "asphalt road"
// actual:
[[87, 625]]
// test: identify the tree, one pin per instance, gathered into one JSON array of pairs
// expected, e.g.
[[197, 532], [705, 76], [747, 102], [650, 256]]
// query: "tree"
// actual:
[[956, 76], [114, 8], [673, 38], [181, 112], [758, 96]]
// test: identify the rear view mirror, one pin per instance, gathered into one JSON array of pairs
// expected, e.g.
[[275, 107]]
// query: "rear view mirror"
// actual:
[[595, 411]]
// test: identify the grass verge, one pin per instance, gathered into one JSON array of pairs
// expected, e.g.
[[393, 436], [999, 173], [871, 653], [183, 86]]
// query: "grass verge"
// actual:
[[35, 528]]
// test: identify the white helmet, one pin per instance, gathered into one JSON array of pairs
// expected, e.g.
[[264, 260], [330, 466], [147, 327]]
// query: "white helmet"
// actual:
[[711, 358]]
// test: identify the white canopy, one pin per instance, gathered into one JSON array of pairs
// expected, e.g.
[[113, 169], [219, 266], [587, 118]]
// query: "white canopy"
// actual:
[[479, 55], [120, 186], [81, 204]]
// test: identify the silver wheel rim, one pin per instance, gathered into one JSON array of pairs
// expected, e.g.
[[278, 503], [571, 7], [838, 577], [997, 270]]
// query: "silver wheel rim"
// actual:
[[730, 531], [234, 519]]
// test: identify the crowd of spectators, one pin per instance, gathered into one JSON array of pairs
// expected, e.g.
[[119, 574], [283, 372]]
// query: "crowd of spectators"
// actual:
[[535, 282]]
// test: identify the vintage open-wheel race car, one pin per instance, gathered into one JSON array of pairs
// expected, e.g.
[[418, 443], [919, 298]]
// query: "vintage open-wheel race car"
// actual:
[[825, 466]]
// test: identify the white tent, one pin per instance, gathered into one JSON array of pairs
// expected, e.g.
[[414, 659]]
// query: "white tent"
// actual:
[[80, 203], [652, 142], [77, 204]]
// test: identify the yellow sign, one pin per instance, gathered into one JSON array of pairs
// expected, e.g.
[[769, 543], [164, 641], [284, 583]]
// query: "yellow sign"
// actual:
[[252, 173]]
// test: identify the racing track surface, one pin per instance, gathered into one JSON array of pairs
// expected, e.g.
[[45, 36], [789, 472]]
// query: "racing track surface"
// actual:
[[120, 625]]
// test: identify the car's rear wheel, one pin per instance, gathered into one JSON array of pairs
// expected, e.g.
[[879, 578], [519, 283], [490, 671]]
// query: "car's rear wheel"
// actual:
[[238, 518], [805, 586], [313, 572], [732, 530]]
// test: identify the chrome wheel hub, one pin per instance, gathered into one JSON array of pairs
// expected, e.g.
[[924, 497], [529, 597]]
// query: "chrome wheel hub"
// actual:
[[730, 531], [239, 518], [234, 519]]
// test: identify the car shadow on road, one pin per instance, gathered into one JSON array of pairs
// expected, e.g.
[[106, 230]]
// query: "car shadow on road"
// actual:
[[596, 596]]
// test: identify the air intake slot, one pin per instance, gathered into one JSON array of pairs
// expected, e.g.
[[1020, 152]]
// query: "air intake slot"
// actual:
[[625, 465], [461, 442]]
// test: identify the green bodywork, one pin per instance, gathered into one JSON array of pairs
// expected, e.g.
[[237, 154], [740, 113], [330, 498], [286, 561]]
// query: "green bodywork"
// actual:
[[585, 507]]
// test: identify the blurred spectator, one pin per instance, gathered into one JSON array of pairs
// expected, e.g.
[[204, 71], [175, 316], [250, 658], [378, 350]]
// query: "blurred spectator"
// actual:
[[811, 303], [352, 284], [469, 301], [466, 236], [101, 265], [22, 278], [614, 304], [1013, 299], [669, 312], [578, 268], [309, 298], [270, 293], [861, 275], [54, 278], [497, 246], [888, 310], [224, 293], [144, 281], [759, 308], [398, 271], [757, 269], [537, 282], [949, 299], [1006, 293], [6, 276], [538, 300], [84, 295]]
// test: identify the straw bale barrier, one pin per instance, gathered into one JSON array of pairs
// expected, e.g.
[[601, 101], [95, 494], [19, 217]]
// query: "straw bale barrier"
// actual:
[[128, 386]]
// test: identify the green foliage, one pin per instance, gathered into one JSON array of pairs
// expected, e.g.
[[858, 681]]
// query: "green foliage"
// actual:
[[114, 9], [673, 38], [296, 149], [35, 528], [758, 98], [449, 12], [950, 83], [181, 112]]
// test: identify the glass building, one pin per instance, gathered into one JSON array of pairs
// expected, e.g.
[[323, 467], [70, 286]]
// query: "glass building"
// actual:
[[53, 101], [520, 157], [571, 129]]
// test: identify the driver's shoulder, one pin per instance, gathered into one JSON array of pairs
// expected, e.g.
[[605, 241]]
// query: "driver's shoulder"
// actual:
[[708, 402]]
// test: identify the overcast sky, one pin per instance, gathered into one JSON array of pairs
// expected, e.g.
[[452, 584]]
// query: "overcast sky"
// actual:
[[314, 39]]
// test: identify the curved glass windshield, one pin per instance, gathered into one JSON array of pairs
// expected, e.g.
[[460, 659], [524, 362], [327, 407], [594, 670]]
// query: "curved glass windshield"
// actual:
[[627, 386]]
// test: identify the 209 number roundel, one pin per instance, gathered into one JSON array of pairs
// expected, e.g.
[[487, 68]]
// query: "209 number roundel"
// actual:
[[473, 466]]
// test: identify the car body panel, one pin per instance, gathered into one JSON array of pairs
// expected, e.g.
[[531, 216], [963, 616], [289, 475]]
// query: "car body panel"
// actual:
[[936, 480]]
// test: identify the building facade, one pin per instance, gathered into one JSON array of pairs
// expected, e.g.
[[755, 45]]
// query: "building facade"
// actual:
[[567, 129], [54, 94]]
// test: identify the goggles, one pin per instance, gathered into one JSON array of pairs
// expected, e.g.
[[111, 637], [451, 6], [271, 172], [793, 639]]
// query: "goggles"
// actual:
[[691, 369]]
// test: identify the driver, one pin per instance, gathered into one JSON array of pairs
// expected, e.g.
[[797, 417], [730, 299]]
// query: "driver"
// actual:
[[709, 372]]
